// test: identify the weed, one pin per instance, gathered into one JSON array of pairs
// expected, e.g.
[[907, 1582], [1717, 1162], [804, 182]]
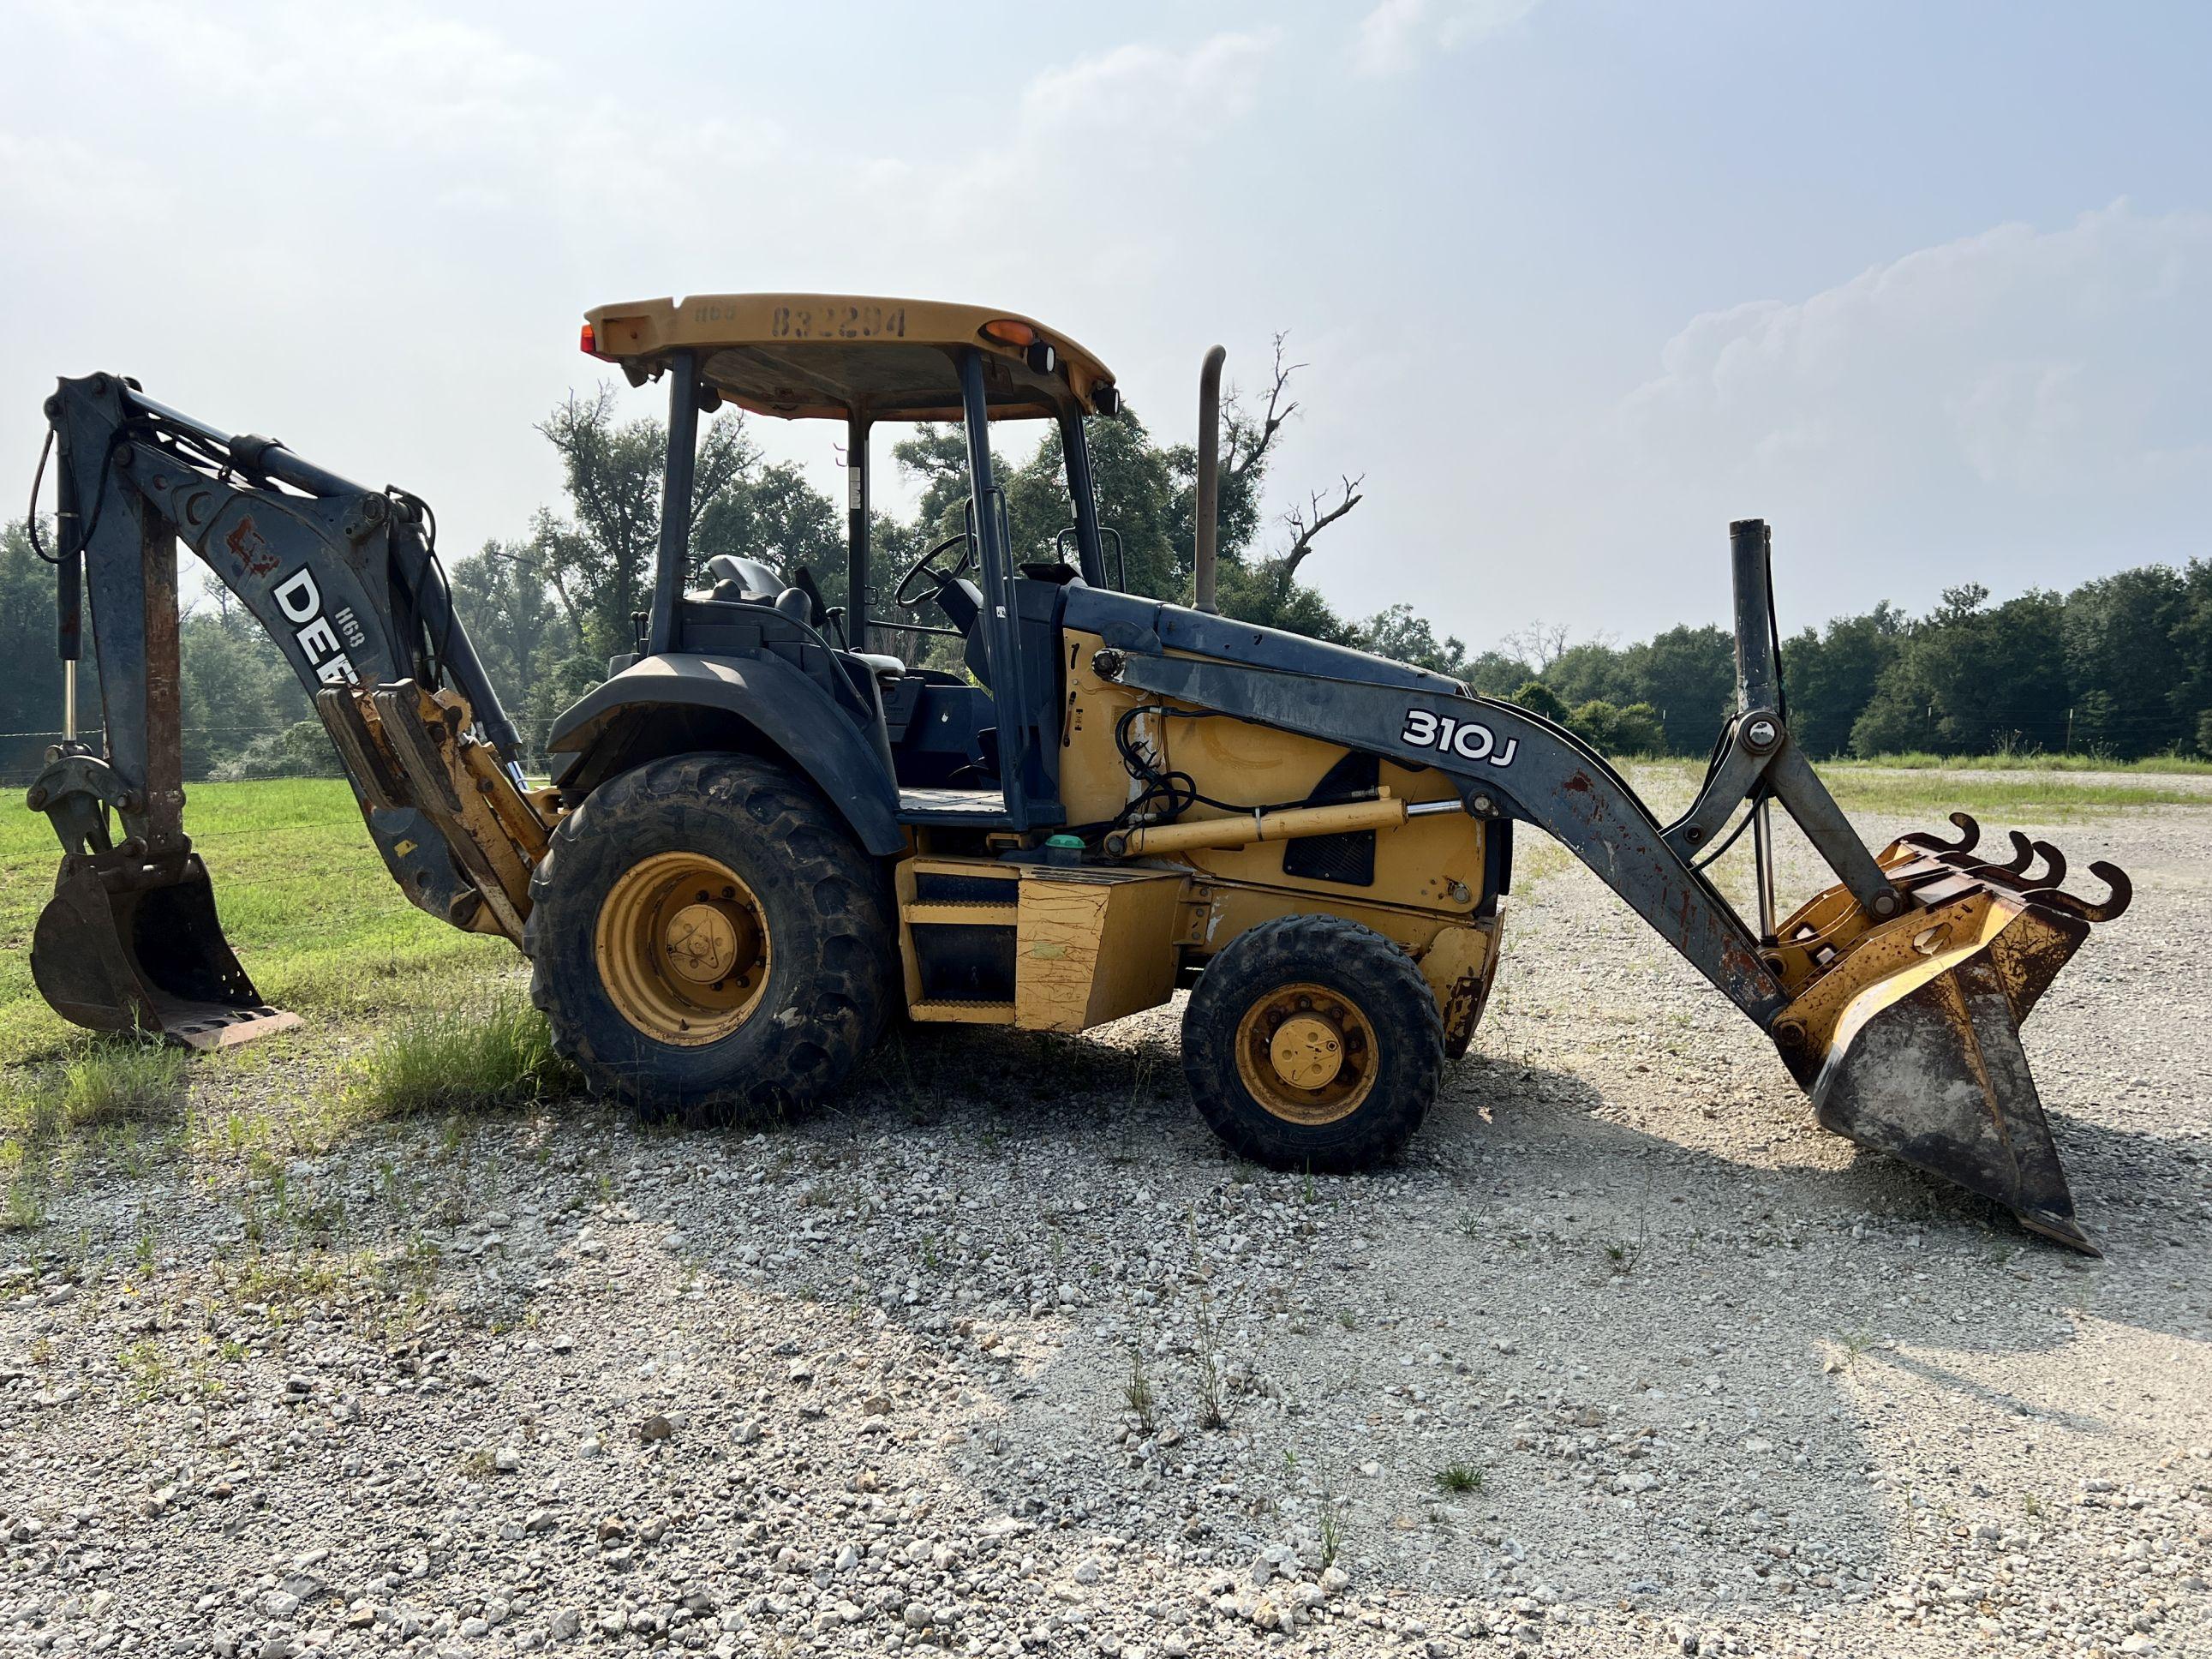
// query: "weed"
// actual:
[[454, 1061], [1457, 1480], [1332, 1529], [24, 1208], [930, 1258], [146, 1366], [1347, 1319], [1470, 1224], [1138, 1393], [1212, 1379], [2033, 1505]]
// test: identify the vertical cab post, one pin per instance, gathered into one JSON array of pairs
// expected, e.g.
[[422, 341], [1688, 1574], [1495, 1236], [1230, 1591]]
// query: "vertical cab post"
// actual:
[[1090, 547], [856, 532], [675, 500], [1001, 627]]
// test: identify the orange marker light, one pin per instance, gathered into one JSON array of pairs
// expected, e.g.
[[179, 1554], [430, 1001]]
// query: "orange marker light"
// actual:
[[589, 342], [1006, 332]]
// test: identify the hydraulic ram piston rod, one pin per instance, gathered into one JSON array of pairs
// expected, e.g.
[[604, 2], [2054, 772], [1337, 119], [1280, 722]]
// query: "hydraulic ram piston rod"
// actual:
[[1344, 817]]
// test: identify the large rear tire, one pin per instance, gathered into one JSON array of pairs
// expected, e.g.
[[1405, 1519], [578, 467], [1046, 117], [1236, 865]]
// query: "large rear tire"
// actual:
[[708, 942], [1312, 1043]]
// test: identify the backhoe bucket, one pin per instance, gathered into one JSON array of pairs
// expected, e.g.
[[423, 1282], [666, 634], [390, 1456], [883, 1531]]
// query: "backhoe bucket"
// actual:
[[125, 945], [1906, 1035]]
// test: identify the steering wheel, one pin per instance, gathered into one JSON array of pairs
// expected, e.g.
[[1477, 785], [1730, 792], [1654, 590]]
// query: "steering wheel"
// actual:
[[908, 595]]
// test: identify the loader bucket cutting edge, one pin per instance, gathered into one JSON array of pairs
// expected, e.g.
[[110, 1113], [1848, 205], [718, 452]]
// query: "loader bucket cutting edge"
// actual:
[[1923, 1057], [148, 955]]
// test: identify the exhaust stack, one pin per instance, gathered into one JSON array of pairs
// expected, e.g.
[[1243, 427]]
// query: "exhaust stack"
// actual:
[[1209, 480]]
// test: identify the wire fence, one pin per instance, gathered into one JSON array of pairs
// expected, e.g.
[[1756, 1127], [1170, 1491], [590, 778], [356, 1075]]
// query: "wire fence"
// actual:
[[23, 754]]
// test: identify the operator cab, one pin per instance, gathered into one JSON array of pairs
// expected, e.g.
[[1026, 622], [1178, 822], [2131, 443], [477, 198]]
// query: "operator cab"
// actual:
[[978, 749]]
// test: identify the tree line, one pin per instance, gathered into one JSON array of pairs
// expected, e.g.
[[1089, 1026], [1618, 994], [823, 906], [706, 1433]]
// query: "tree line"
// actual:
[[2118, 667]]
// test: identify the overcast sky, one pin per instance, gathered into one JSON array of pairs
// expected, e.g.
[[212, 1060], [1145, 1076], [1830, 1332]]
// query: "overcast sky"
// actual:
[[1928, 285]]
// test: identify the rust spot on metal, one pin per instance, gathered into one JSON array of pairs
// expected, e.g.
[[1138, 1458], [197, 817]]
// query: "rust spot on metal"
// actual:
[[250, 548]]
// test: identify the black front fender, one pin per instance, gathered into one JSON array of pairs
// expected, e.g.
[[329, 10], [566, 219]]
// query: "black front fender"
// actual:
[[677, 702]]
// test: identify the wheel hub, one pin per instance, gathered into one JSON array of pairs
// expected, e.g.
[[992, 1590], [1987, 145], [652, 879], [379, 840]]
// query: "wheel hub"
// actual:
[[1307, 1053], [683, 948], [701, 943]]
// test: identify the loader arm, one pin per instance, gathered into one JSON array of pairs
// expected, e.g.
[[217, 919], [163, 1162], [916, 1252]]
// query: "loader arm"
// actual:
[[1893, 997], [346, 581]]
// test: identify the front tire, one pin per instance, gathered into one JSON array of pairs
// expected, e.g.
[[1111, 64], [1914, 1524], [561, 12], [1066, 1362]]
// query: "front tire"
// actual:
[[1312, 1043], [708, 942]]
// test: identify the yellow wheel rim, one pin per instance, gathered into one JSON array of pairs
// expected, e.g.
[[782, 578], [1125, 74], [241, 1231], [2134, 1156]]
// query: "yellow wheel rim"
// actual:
[[683, 949], [1306, 1053]]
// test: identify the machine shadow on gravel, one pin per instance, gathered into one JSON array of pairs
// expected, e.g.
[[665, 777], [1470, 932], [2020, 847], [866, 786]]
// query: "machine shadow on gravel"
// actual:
[[1592, 1331]]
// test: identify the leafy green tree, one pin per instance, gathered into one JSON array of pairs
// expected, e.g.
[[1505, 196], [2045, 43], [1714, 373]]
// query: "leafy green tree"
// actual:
[[2122, 645], [1830, 677], [1687, 674], [1610, 729], [1539, 698], [236, 684], [1397, 633], [1971, 678], [30, 671], [598, 558], [510, 615]]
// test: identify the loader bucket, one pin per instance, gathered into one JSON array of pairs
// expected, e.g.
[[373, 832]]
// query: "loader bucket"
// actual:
[[1907, 1036], [136, 947]]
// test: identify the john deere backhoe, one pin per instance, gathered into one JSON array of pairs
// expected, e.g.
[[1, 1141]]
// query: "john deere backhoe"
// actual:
[[761, 836]]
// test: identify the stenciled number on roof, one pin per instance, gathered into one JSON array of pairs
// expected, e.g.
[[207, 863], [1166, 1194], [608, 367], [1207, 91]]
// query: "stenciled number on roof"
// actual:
[[837, 323]]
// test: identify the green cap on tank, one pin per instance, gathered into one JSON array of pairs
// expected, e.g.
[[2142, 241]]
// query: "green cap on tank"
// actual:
[[1074, 841]]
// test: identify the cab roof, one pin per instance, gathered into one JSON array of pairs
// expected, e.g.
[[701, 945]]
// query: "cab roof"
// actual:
[[835, 356]]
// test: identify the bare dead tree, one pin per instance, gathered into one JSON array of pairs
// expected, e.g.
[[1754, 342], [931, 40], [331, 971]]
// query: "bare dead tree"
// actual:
[[1539, 644], [1309, 521], [1248, 441]]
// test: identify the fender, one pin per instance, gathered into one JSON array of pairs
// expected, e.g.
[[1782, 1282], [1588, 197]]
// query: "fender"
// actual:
[[789, 715]]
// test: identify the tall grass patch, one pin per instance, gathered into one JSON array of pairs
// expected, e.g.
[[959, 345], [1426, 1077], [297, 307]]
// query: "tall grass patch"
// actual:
[[114, 1084], [456, 1059]]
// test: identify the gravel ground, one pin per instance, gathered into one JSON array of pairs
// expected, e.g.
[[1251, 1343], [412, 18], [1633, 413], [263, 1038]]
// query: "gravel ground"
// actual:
[[1004, 1356]]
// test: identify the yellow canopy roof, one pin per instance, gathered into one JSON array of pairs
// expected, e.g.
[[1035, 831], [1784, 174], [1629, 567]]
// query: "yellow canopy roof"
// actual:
[[834, 356]]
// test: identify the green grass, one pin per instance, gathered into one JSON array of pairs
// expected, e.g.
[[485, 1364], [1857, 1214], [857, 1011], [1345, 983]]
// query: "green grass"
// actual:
[[2020, 795], [1457, 1480], [2010, 761], [120, 1082], [455, 1059], [309, 907]]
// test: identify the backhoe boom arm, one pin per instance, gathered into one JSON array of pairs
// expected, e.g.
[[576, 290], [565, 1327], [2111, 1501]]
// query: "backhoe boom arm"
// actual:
[[346, 581]]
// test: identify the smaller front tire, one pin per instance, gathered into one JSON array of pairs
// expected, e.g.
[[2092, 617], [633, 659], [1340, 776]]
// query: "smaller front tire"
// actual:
[[1312, 1043]]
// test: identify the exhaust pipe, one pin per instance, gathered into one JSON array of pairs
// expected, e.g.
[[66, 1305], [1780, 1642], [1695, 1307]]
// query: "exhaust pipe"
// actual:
[[1209, 478]]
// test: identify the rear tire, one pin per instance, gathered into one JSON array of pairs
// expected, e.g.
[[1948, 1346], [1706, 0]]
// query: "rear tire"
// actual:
[[729, 862], [1312, 1043]]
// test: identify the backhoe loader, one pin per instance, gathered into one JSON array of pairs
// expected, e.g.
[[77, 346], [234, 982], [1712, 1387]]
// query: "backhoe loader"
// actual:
[[762, 834]]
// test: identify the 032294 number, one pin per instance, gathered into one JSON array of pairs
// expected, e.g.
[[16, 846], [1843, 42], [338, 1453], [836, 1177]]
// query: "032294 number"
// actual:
[[1468, 740]]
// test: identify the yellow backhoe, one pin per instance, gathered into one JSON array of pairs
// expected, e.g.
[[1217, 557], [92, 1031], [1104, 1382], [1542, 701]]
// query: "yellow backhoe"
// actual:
[[764, 834]]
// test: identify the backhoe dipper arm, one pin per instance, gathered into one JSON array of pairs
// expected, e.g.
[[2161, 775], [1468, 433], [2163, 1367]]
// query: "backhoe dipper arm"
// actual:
[[346, 581]]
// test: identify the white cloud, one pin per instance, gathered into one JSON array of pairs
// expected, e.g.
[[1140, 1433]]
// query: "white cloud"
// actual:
[[1396, 34], [2040, 362]]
